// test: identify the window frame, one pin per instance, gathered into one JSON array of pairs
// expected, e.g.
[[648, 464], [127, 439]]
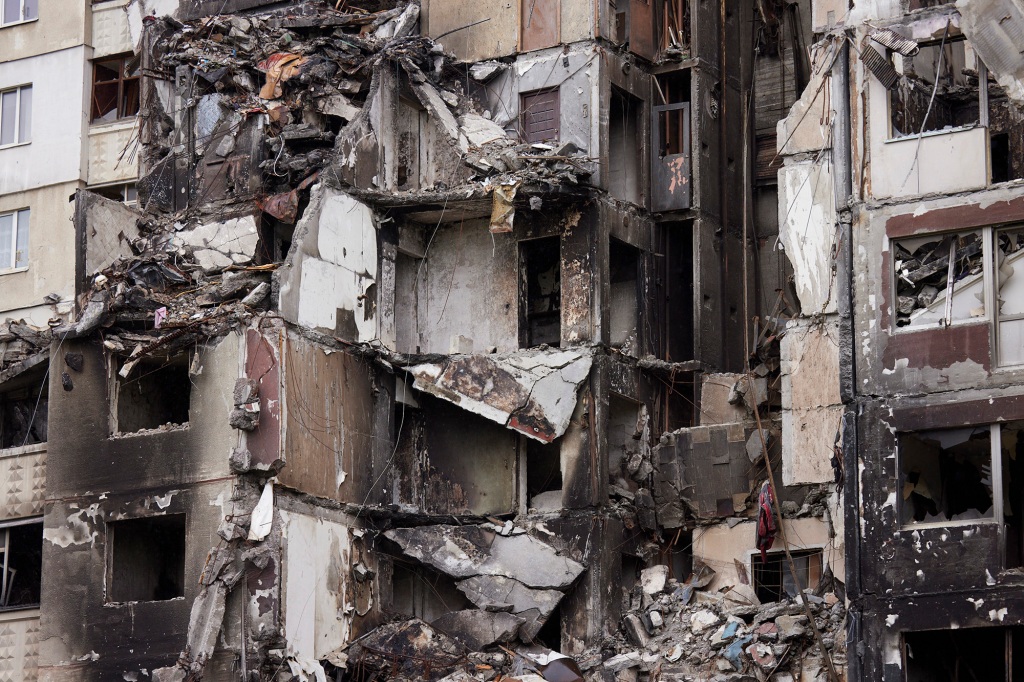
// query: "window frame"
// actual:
[[22, 19], [122, 79], [18, 109], [982, 95], [991, 318], [995, 466], [815, 550], [6, 269], [5, 544]]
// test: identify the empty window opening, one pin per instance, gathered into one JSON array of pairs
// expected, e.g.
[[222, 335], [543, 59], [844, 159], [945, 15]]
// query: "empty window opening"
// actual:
[[539, 116], [946, 475], [16, 115], [115, 88], [14, 11], [618, 11], [999, 145], [157, 391], [624, 146], [418, 591], [963, 654], [23, 409], [624, 266], [773, 579], [407, 144], [677, 554], [543, 475], [626, 466], [1006, 134], [124, 192], [540, 292], [939, 279], [21, 543], [673, 20], [147, 559], [276, 235], [951, 71]]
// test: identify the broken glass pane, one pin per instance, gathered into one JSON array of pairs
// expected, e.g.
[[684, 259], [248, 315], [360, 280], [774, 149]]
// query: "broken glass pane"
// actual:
[[946, 475], [929, 291], [1009, 269]]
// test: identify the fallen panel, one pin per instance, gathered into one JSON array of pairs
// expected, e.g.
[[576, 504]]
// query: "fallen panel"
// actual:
[[468, 551], [494, 592], [533, 392], [478, 629], [995, 29]]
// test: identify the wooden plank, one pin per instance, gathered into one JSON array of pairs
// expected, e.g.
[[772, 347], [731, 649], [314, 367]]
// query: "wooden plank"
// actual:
[[641, 29], [539, 21]]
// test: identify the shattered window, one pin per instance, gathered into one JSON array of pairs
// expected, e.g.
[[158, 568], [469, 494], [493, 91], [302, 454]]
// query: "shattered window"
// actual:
[[115, 89], [541, 292], [16, 115], [19, 10], [963, 654], [147, 559], [1011, 440], [1009, 274], [14, 239], [21, 544], [949, 71], [946, 475], [773, 579], [939, 279]]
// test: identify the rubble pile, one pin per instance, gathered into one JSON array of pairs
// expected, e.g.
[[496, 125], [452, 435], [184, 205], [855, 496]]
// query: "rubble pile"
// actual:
[[20, 343], [681, 631]]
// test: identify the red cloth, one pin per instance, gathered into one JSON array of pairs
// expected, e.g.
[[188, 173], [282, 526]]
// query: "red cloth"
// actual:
[[765, 520]]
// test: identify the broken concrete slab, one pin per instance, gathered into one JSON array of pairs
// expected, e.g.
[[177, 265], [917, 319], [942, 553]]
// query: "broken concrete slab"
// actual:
[[652, 580], [106, 228], [533, 392], [478, 629], [533, 606], [216, 246], [468, 551], [479, 130]]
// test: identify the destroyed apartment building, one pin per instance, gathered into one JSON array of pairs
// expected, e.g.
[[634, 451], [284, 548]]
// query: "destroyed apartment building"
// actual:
[[449, 341]]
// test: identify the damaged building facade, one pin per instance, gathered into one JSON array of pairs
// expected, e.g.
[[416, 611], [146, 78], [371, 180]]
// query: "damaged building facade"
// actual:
[[441, 340], [900, 201]]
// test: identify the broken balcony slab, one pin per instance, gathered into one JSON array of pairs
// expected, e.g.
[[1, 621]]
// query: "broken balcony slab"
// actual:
[[478, 629], [533, 392], [216, 246], [468, 551], [106, 229], [496, 591]]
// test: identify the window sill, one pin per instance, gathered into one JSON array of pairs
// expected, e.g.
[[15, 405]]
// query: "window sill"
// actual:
[[14, 144], [22, 450], [909, 329], [108, 126], [909, 528], [13, 271], [912, 137], [18, 23]]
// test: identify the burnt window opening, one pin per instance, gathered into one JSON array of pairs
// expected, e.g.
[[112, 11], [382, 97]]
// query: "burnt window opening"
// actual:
[[539, 116], [677, 554], [948, 69], [624, 271], [543, 475], [156, 391], [673, 21], [989, 654], [540, 271], [146, 559], [672, 119], [625, 446], [418, 591], [276, 236], [945, 475], [773, 579], [656, 28], [21, 573], [999, 148], [624, 148], [115, 88], [1006, 134], [939, 279], [23, 409], [410, 128]]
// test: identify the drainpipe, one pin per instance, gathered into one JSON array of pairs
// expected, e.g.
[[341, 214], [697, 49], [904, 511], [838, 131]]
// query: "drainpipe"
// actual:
[[843, 170]]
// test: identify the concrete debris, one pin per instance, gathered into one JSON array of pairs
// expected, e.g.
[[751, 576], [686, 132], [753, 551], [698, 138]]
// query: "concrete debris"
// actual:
[[532, 605], [479, 629], [533, 392], [468, 551]]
